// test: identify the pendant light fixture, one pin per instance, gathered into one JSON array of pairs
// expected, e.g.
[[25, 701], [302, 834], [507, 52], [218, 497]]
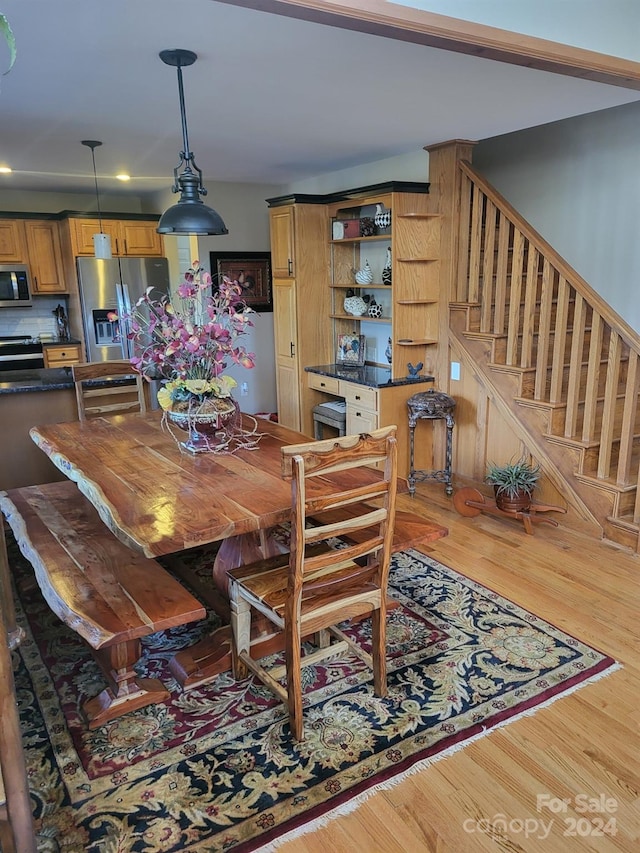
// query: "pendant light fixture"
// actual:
[[101, 241], [190, 215]]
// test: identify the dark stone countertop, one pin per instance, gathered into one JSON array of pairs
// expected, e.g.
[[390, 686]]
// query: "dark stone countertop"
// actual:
[[56, 342], [45, 379], [372, 377]]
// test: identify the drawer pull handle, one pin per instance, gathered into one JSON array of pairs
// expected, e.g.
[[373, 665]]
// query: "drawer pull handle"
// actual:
[[322, 384]]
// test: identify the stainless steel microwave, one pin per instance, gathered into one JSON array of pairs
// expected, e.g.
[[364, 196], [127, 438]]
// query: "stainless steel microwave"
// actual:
[[15, 291]]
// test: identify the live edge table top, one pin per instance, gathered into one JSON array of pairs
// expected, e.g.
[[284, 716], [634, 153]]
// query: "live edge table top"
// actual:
[[158, 499]]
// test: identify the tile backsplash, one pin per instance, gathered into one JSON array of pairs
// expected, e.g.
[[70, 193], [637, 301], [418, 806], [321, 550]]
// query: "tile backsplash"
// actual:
[[35, 320]]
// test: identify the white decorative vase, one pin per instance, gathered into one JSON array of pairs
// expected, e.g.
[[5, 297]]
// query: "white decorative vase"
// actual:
[[364, 276]]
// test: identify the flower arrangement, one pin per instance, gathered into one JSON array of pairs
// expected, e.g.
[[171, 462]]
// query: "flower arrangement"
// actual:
[[190, 342]]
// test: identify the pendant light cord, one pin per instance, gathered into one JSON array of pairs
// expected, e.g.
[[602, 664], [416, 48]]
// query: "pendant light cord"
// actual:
[[95, 178]]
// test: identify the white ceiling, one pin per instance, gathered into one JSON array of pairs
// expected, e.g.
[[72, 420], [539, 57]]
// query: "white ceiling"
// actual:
[[269, 100]]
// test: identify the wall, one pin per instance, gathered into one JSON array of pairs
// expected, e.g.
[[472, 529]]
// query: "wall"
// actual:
[[246, 215], [42, 202], [413, 166], [578, 183]]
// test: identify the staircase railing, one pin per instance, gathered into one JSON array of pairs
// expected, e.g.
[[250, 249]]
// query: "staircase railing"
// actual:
[[547, 319]]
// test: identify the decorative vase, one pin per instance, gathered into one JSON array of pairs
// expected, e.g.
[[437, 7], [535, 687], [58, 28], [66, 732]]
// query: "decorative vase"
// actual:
[[204, 421], [375, 310], [367, 227], [386, 272], [355, 305], [364, 275], [382, 218], [387, 352]]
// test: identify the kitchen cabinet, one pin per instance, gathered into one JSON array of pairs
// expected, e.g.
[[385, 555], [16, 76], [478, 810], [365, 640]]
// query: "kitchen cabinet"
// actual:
[[44, 255], [129, 238], [282, 231], [373, 401], [63, 355], [12, 243], [301, 304]]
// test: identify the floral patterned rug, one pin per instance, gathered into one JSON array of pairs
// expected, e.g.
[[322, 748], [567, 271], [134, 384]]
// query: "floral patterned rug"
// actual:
[[214, 769]]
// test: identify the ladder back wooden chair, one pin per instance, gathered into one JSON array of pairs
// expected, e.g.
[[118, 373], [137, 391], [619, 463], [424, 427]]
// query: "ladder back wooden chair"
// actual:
[[313, 588], [17, 834], [122, 393]]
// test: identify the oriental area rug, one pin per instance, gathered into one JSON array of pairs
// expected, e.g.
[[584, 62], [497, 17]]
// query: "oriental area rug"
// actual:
[[215, 769]]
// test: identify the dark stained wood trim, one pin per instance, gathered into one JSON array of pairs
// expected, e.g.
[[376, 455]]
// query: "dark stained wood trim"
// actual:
[[389, 20]]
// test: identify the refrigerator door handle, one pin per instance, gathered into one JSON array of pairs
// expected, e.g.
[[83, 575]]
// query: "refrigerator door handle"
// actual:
[[122, 323], [127, 344]]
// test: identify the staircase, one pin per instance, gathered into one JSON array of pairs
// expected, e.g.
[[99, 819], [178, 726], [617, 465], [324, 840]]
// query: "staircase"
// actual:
[[559, 363]]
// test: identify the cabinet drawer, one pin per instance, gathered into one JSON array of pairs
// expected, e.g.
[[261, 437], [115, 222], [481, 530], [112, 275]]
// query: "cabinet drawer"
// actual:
[[328, 384], [360, 420], [358, 395], [61, 356]]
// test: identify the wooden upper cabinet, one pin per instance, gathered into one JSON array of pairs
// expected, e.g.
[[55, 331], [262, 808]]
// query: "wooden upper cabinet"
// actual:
[[140, 238], [128, 237], [82, 231], [45, 256], [282, 227], [12, 242]]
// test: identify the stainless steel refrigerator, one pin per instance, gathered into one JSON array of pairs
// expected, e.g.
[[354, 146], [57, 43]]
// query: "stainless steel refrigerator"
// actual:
[[108, 291]]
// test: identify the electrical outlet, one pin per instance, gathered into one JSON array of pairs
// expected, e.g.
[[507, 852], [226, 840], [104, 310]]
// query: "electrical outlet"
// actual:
[[244, 389]]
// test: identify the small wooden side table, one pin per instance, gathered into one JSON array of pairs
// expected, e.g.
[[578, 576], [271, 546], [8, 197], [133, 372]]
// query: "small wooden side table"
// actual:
[[431, 405]]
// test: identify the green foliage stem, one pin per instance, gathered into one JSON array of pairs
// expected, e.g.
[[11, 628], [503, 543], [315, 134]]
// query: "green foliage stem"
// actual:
[[10, 39]]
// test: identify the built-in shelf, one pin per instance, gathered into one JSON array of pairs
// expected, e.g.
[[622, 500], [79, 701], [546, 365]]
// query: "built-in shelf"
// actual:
[[377, 238], [361, 286], [361, 318], [416, 343], [417, 260], [416, 301], [418, 215]]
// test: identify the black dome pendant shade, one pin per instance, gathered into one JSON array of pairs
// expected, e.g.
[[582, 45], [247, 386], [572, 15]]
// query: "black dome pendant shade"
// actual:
[[190, 215]]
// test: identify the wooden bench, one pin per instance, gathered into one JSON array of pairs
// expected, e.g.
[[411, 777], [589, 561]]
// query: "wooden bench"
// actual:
[[106, 592]]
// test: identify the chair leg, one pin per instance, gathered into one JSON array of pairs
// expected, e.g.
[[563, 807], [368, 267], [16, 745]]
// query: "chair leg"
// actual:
[[240, 615], [294, 678], [379, 651]]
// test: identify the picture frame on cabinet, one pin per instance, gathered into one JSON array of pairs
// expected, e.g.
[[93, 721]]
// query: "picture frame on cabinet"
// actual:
[[351, 350], [252, 270]]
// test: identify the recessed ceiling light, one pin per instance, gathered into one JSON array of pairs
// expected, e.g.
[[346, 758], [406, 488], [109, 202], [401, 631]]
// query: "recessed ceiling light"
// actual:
[[123, 177], [5, 170]]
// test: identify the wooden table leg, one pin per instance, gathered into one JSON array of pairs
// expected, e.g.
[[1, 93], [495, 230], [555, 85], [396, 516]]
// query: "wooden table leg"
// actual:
[[126, 692], [201, 662]]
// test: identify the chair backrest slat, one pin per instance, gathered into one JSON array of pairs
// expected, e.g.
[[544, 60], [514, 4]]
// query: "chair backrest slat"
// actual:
[[123, 391], [331, 458]]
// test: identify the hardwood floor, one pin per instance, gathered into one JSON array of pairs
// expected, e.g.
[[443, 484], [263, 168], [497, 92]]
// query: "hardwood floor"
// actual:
[[586, 743]]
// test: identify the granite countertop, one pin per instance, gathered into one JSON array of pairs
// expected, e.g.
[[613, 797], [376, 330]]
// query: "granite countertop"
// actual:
[[372, 377], [45, 379], [56, 342]]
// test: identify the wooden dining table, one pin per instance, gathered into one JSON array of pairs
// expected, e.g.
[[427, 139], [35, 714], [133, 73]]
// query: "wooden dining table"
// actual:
[[161, 500]]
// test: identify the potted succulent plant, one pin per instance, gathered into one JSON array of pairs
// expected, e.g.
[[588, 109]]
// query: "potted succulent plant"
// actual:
[[513, 484]]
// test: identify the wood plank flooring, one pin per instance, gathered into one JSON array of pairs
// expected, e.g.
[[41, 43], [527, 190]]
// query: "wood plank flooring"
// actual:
[[586, 743]]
